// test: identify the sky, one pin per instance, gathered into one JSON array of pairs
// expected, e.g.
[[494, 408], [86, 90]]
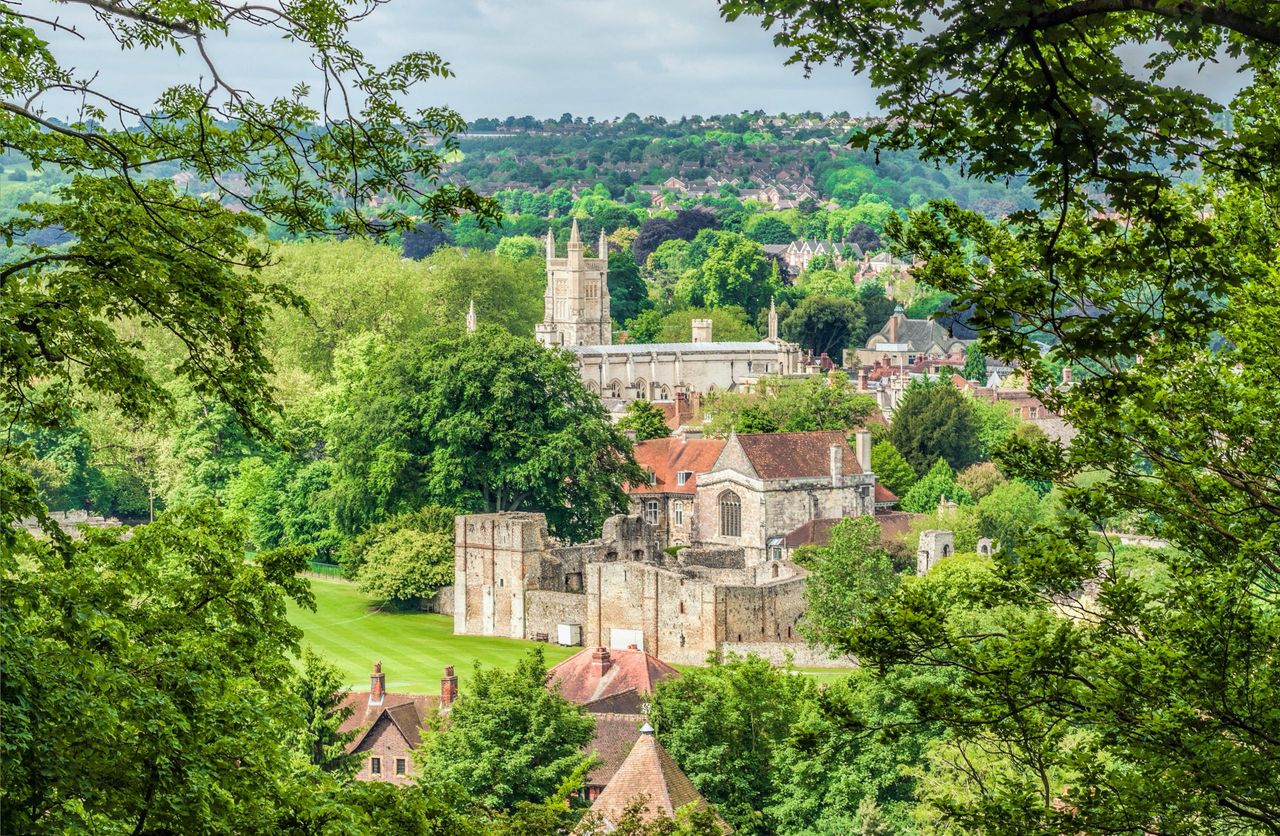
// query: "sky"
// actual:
[[601, 58]]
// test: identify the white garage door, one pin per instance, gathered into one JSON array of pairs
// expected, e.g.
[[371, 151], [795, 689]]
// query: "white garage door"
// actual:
[[622, 639]]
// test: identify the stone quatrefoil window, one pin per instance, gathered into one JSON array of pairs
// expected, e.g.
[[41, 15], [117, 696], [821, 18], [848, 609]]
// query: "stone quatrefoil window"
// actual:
[[730, 515]]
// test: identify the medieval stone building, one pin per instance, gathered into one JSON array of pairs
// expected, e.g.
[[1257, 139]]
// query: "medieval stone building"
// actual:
[[576, 316], [733, 588]]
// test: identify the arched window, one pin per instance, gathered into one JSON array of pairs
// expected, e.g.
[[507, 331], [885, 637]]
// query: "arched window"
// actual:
[[730, 515]]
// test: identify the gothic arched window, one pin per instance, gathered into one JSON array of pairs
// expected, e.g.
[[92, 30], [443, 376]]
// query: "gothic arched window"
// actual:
[[730, 515]]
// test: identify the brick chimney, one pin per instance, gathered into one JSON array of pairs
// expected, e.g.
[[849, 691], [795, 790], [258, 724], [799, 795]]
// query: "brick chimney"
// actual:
[[377, 684], [862, 379], [448, 687], [837, 464], [1066, 375], [601, 661], [894, 322]]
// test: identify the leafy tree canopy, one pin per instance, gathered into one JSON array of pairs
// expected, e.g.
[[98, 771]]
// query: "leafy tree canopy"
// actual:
[[486, 421], [824, 325], [938, 483], [891, 469], [934, 420], [644, 419], [776, 404], [508, 738]]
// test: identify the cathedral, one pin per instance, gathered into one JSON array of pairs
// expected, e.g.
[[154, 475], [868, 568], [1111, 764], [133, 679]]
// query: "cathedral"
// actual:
[[576, 317]]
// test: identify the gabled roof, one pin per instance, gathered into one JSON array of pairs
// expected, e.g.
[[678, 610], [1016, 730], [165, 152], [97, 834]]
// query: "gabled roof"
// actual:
[[648, 773], [600, 674], [405, 711], [666, 457], [796, 455]]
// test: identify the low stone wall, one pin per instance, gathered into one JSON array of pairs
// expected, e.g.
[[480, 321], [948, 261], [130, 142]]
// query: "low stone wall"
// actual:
[[802, 656], [441, 602]]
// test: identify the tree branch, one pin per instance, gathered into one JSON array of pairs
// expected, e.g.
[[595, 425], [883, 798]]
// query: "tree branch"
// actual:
[[1217, 15]]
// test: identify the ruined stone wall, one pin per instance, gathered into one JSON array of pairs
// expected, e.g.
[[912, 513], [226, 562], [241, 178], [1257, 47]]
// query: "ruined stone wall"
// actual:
[[545, 610], [495, 555], [761, 613], [800, 655], [673, 616], [441, 602]]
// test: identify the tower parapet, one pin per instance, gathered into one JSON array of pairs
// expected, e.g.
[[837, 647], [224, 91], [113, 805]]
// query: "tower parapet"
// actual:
[[576, 302]]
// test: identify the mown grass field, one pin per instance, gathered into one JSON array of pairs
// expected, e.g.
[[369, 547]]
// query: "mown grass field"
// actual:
[[351, 632]]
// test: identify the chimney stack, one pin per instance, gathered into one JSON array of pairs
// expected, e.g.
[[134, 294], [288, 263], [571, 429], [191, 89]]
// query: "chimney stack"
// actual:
[[862, 441], [837, 464], [377, 684], [862, 379], [600, 661], [448, 687], [701, 330], [1066, 375], [894, 322]]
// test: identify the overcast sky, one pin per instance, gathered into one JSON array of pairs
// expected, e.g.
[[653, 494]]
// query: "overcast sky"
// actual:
[[599, 58]]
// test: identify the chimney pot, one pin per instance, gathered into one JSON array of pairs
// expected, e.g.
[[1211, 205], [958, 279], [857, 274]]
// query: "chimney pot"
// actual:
[[448, 687], [377, 684], [600, 660]]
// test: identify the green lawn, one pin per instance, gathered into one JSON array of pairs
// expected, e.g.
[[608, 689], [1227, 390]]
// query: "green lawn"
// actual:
[[349, 631]]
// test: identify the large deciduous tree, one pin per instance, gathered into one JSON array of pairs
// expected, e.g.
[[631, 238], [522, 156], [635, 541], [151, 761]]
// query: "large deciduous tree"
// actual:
[[824, 325], [508, 738], [142, 676], [481, 422], [1137, 706]]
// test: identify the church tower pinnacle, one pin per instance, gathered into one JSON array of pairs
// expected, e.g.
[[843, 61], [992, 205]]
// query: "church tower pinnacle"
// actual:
[[471, 317], [773, 321], [576, 304]]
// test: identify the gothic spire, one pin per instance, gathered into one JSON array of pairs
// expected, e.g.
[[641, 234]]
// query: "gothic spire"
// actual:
[[773, 320], [471, 318], [551, 244], [603, 250], [574, 239]]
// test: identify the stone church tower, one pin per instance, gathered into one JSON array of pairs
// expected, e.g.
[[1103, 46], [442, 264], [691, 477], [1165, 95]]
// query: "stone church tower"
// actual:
[[577, 297]]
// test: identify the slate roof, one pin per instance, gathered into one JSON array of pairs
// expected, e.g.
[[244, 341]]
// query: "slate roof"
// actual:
[[582, 678], [668, 456], [919, 334], [649, 773], [796, 455]]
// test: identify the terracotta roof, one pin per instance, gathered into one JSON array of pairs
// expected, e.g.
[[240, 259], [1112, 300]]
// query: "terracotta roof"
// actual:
[[812, 533], [797, 455], [648, 773], [406, 711], [666, 457], [893, 524], [883, 494], [608, 678], [615, 735]]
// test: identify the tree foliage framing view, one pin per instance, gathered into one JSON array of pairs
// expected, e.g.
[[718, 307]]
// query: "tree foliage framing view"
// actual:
[[1077, 697]]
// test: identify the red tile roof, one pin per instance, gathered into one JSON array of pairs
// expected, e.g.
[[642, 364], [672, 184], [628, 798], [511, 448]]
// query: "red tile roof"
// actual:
[[609, 679], [893, 524], [668, 456], [615, 735], [406, 711], [797, 455], [648, 773], [883, 494]]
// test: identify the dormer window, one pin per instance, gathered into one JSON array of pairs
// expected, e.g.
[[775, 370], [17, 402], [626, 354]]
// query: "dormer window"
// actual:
[[683, 476], [653, 478]]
